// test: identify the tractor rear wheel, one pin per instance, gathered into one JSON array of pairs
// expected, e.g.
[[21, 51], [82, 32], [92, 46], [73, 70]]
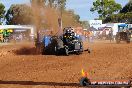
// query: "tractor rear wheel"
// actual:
[[56, 51]]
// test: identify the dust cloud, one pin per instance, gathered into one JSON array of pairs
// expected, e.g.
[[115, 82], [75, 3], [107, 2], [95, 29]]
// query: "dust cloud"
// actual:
[[45, 17]]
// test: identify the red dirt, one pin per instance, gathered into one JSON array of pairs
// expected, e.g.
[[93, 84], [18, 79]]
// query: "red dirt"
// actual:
[[107, 61]]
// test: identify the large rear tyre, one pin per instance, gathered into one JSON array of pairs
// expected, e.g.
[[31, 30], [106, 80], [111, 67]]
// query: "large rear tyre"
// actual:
[[78, 53], [43, 52]]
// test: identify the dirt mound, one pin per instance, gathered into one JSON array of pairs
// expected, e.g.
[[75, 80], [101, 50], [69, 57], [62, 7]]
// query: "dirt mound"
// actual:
[[26, 51], [17, 49]]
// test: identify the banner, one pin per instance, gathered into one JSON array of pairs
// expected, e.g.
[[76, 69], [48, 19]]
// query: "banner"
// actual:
[[95, 23]]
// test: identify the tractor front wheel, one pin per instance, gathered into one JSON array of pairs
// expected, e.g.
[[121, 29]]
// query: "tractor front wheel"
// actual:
[[66, 52], [77, 52]]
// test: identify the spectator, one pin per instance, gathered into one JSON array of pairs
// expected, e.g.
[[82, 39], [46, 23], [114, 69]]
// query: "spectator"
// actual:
[[91, 37], [111, 35]]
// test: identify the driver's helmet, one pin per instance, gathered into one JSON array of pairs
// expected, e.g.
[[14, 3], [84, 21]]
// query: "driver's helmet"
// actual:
[[68, 31]]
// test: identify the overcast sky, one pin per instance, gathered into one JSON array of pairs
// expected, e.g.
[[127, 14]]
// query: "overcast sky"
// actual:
[[81, 7]]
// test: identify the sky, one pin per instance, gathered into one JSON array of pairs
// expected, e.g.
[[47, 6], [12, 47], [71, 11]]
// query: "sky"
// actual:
[[80, 7]]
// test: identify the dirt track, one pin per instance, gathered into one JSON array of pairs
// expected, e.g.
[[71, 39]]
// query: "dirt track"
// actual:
[[25, 70]]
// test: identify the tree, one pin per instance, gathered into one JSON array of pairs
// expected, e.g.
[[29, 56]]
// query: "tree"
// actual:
[[85, 24], [46, 6], [19, 14], [105, 7], [51, 3], [2, 13], [119, 18], [61, 4], [77, 18], [53, 9], [69, 18], [127, 8], [124, 15]]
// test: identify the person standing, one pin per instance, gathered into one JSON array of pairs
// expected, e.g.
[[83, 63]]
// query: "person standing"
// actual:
[[111, 35], [91, 37]]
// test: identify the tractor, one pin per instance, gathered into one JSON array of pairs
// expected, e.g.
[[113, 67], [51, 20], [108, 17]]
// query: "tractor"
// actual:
[[5, 35], [69, 43], [66, 43], [123, 33]]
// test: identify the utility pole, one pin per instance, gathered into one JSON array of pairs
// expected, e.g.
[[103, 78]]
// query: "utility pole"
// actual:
[[60, 19], [61, 16]]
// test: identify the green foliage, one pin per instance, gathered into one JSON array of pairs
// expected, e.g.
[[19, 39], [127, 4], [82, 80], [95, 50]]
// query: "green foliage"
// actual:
[[121, 17], [125, 15], [19, 14], [105, 7], [23, 14], [2, 13], [127, 8], [77, 18], [85, 24], [69, 18], [62, 4]]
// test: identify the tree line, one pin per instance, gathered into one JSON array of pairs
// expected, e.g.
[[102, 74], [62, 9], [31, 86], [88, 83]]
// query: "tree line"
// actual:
[[22, 14], [109, 11]]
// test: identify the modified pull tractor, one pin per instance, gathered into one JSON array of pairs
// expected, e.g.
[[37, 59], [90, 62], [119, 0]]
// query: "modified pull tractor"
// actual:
[[66, 43], [69, 43]]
